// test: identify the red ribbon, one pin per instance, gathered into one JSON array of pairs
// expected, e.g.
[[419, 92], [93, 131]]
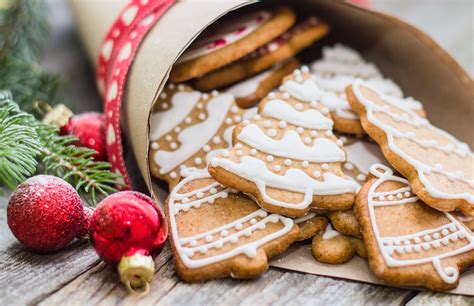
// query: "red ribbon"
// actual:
[[117, 52]]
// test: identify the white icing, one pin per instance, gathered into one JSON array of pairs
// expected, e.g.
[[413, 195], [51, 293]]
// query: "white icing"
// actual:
[[305, 218], [342, 53], [364, 154], [228, 33], [227, 138], [195, 137], [307, 91], [361, 69], [164, 121], [330, 232], [249, 86], [419, 241], [291, 146], [216, 238], [421, 166], [310, 119], [294, 180]]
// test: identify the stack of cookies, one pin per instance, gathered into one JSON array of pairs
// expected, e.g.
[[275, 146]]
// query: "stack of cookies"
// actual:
[[260, 152]]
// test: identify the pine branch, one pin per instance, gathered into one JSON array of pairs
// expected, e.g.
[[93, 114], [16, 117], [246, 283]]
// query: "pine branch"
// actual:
[[61, 158], [19, 143]]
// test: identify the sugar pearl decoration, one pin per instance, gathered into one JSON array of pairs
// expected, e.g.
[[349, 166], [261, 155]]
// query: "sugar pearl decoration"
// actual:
[[282, 124], [216, 140], [253, 152], [287, 162], [272, 132], [269, 158], [299, 130], [173, 175], [267, 123], [197, 161], [305, 164], [317, 174], [299, 106], [173, 145], [277, 168], [286, 96], [325, 166], [348, 166], [206, 148]]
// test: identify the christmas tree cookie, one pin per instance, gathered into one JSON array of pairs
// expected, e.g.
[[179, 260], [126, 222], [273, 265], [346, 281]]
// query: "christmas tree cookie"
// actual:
[[188, 128], [287, 157]]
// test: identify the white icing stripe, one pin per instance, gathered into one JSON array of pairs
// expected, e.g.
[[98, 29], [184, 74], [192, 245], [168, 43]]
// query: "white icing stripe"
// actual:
[[195, 137], [330, 232], [305, 218], [422, 168], [291, 146], [294, 180], [307, 91], [445, 234], [249, 86], [341, 53], [182, 104], [339, 105], [363, 70], [249, 249], [310, 119]]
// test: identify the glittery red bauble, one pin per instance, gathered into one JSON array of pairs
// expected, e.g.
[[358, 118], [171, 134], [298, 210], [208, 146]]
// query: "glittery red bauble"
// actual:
[[45, 213], [125, 223], [127, 229], [88, 212], [89, 130]]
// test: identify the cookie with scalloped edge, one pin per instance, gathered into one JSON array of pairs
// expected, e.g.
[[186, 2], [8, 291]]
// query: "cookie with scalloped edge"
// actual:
[[300, 36], [230, 39], [408, 242], [331, 247], [287, 157], [216, 231], [439, 167], [338, 68], [188, 128], [250, 91]]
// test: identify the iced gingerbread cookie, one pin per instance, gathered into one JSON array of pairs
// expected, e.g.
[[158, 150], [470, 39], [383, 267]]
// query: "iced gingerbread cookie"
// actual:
[[283, 47], [310, 225], [439, 167], [339, 67], [408, 242], [216, 231], [249, 92], [332, 247], [229, 40], [287, 156], [188, 128]]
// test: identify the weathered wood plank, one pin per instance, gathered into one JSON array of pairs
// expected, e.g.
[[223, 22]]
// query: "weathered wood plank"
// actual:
[[433, 299]]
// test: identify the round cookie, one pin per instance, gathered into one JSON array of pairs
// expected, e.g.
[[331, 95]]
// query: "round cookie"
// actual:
[[188, 128], [218, 232], [310, 225], [229, 40], [250, 91], [287, 157], [332, 247], [288, 44], [345, 222]]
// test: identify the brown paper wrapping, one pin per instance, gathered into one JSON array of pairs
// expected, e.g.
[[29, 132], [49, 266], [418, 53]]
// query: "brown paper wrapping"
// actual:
[[402, 52]]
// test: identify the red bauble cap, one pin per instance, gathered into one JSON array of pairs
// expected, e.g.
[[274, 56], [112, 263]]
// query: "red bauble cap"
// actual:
[[127, 229], [45, 213]]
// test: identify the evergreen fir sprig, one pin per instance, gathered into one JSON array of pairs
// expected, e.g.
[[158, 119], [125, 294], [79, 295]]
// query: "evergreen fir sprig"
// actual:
[[27, 145], [19, 143], [76, 165]]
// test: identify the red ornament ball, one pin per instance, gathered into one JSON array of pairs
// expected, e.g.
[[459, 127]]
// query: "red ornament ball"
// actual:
[[128, 229], [126, 223], [45, 214], [89, 130]]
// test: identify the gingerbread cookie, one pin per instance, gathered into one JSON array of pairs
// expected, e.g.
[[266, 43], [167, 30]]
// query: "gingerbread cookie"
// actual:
[[285, 46], [408, 242], [249, 92], [188, 128], [439, 167], [332, 247], [229, 40], [339, 67], [345, 222], [287, 157], [216, 231], [310, 225]]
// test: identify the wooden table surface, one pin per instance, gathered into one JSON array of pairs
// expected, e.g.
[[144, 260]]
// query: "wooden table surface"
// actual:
[[77, 276]]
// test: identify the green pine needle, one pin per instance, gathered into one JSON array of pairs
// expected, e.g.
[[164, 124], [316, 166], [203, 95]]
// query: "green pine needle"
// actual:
[[19, 143]]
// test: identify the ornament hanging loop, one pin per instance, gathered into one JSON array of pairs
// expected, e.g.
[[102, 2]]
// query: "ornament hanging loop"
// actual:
[[136, 272]]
